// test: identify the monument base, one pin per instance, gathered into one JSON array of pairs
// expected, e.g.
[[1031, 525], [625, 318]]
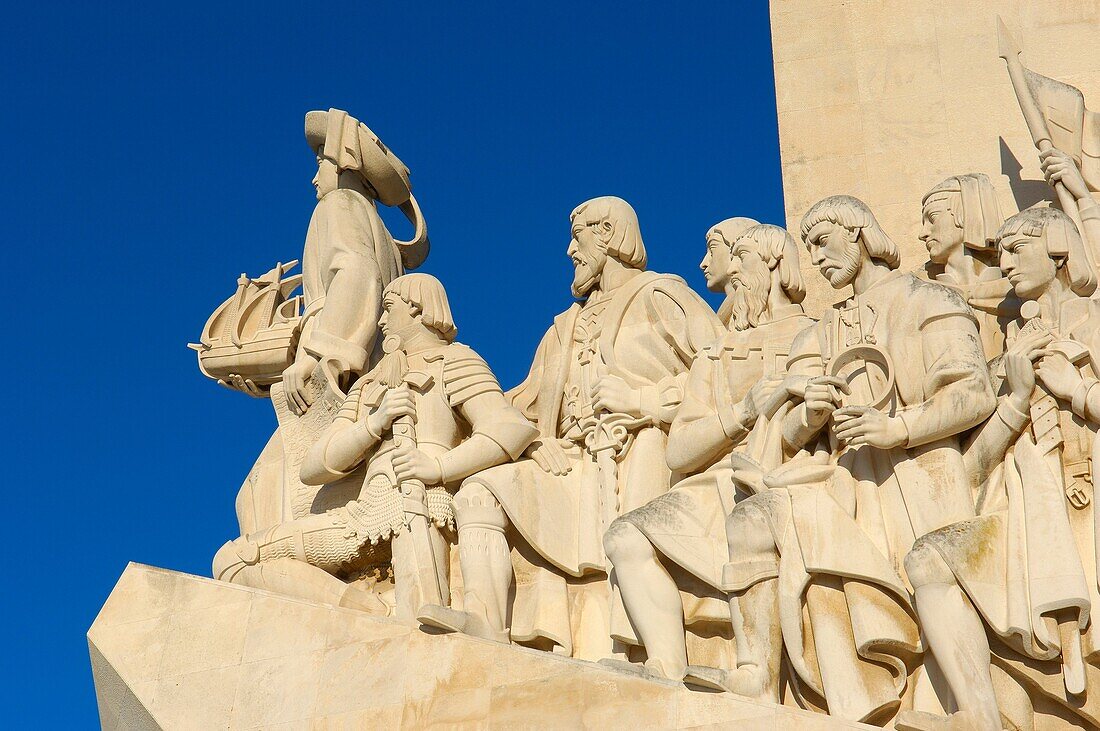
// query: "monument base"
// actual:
[[174, 651]]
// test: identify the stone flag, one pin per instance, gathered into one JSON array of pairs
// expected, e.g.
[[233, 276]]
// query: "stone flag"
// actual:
[[1073, 128]]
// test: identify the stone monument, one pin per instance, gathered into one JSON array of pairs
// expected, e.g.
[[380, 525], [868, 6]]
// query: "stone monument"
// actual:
[[787, 514]]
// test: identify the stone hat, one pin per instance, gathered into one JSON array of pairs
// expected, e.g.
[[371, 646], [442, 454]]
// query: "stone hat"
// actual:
[[340, 137]]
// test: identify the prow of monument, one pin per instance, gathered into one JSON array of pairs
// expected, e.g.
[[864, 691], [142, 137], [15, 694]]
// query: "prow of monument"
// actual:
[[859, 495]]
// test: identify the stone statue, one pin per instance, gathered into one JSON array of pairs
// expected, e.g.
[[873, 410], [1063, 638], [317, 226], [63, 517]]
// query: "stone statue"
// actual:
[[429, 414], [668, 554], [893, 375], [959, 219], [1027, 564], [716, 262], [605, 384], [1066, 134], [348, 259]]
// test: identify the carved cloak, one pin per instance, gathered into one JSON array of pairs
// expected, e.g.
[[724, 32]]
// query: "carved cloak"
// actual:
[[687, 525], [649, 333], [842, 543], [1030, 552], [348, 259]]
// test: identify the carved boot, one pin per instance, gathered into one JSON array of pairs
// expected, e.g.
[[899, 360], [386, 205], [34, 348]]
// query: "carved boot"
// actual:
[[486, 570], [650, 669], [755, 617], [455, 620]]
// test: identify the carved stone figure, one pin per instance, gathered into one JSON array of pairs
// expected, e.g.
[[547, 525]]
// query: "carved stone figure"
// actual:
[[1063, 173], [429, 414], [1027, 564], [604, 386], [893, 375], [668, 554], [1063, 128], [716, 262], [959, 220], [348, 259]]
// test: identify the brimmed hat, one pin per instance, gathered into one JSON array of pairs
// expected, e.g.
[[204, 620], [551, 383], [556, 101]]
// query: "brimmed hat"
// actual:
[[340, 137]]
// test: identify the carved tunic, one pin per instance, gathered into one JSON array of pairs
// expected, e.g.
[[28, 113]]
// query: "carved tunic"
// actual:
[[1032, 551], [451, 375], [348, 259], [941, 388], [578, 418], [994, 306], [648, 331], [852, 532], [687, 525]]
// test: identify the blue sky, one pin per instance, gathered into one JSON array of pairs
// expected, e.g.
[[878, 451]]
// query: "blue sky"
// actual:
[[156, 152]]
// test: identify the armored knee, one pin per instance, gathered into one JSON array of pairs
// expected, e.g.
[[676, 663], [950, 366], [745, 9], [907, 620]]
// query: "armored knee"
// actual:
[[623, 542], [924, 565], [234, 556], [477, 507]]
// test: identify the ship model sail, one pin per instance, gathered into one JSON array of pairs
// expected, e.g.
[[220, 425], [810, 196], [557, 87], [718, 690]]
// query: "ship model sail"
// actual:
[[252, 337]]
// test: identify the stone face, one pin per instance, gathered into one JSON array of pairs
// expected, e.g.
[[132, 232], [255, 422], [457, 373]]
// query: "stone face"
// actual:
[[263, 661], [882, 99]]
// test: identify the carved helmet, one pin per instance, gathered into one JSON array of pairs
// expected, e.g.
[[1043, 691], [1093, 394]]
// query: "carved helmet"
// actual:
[[340, 137]]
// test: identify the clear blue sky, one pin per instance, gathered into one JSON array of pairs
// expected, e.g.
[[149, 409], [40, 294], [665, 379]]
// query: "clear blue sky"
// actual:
[[154, 154]]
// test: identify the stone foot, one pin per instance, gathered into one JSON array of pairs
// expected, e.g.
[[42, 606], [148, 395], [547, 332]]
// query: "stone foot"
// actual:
[[700, 676], [365, 601], [924, 721], [624, 666], [650, 670], [453, 620], [747, 681]]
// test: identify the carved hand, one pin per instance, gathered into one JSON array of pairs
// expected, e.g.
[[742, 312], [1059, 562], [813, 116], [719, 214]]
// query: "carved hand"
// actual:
[[1059, 375], [409, 463], [759, 396], [396, 402], [822, 398], [549, 456], [1059, 167], [295, 378], [859, 425], [1019, 363], [614, 395], [244, 385]]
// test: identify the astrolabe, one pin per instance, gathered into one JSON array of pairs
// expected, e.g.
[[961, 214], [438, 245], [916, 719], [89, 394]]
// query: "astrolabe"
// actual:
[[869, 373]]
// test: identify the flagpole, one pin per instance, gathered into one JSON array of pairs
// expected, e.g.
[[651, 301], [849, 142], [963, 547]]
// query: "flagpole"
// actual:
[[1037, 125]]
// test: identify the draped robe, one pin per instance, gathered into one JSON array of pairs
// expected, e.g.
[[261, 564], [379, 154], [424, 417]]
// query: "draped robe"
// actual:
[[648, 333], [848, 625]]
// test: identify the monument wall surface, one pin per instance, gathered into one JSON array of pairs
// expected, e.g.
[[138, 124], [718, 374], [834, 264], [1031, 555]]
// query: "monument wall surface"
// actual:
[[882, 99], [172, 651]]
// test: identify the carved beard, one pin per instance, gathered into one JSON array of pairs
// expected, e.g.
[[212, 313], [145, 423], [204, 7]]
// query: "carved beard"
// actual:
[[750, 298], [586, 273], [847, 272]]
